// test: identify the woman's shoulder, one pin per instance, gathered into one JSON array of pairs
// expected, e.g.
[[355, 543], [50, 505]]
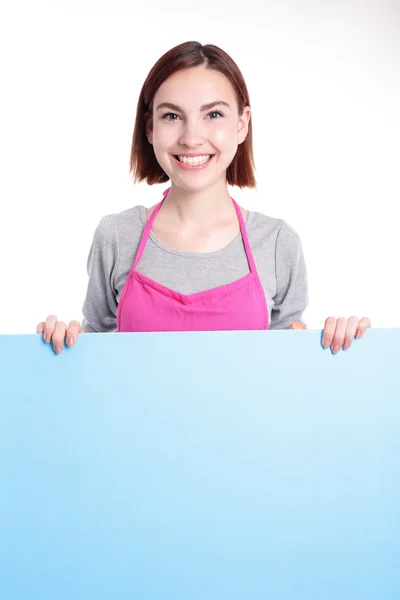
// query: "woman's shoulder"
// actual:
[[259, 219], [129, 221], [262, 226]]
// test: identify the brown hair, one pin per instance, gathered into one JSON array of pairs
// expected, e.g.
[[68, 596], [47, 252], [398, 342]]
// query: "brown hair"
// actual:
[[143, 162]]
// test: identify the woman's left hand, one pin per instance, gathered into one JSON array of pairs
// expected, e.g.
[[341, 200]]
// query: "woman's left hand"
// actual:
[[339, 333]]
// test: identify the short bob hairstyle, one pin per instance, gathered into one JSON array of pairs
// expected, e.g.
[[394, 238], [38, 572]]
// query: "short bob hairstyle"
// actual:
[[143, 162]]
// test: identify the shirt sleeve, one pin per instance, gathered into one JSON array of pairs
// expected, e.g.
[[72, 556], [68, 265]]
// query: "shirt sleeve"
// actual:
[[291, 297], [100, 305]]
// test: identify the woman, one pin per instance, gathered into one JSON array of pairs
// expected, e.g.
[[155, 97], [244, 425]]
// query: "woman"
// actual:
[[196, 260]]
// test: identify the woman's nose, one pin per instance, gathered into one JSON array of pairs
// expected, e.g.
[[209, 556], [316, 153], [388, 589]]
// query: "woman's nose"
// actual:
[[192, 134]]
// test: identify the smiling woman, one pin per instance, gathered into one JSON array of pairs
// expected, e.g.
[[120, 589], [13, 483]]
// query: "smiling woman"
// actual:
[[193, 72], [195, 261]]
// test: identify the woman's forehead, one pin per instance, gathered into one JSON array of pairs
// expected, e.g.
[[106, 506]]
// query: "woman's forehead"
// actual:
[[196, 84], [198, 77]]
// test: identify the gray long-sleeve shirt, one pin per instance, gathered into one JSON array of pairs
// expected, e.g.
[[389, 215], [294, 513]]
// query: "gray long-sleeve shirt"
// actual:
[[276, 249]]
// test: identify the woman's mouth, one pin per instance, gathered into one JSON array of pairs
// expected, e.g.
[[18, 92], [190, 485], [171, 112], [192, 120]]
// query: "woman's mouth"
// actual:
[[194, 163]]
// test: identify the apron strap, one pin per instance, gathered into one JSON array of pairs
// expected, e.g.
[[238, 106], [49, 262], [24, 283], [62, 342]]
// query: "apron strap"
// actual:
[[147, 229], [243, 231]]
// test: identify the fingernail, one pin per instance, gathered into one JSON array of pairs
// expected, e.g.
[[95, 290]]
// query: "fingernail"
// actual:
[[335, 349], [346, 346], [326, 344], [46, 337], [71, 341], [358, 335]]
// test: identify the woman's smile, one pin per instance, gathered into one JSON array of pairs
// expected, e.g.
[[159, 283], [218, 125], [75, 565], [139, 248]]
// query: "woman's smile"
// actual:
[[196, 163]]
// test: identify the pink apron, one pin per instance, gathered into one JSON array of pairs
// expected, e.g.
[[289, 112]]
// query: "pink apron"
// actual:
[[146, 305]]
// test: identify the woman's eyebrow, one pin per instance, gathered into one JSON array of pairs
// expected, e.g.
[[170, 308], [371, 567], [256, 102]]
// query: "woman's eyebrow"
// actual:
[[204, 107]]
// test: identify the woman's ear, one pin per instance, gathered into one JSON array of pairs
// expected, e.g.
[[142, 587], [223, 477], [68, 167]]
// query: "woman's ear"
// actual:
[[243, 124], [149, 128]]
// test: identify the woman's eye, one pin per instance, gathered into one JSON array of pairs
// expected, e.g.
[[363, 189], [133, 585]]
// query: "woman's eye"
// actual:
[[214, 112], [167, 115]]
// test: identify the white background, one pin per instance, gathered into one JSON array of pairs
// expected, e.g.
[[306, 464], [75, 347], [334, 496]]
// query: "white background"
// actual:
[[324, 84]]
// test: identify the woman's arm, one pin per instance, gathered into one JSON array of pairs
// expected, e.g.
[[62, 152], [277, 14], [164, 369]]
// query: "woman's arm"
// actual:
[[100, 305], [291, 298]]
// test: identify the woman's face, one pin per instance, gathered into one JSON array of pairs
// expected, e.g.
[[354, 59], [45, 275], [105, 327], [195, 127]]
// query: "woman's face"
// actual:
[[189, 127]]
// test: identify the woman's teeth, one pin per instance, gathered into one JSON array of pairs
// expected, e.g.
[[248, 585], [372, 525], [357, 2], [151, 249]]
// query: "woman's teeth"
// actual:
[[197, 160]]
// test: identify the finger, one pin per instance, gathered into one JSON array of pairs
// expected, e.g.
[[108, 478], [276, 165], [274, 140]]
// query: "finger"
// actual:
[[350, 332], [298, 325], [340, 332], [363, 325], [329, 332], [59, 336], [49, 327], [40, 327], [74, 328]]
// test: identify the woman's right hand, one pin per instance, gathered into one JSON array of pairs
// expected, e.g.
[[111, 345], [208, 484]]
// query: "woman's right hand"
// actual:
[[57, 331]]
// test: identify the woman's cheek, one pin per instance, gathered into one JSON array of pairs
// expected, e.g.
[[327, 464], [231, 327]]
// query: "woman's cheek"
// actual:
[[165, 139], [225, 140]]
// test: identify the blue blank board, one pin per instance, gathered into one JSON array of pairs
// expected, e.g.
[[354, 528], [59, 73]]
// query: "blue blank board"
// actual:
[[200, 466]]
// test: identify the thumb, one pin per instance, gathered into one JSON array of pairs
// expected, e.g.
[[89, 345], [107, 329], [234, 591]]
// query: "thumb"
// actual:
[[298, 325]]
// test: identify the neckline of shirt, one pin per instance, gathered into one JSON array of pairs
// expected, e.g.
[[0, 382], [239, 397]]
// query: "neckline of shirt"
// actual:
[[194, 254]]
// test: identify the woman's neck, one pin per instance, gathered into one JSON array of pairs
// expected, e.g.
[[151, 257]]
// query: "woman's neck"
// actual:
[[202, 207]]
